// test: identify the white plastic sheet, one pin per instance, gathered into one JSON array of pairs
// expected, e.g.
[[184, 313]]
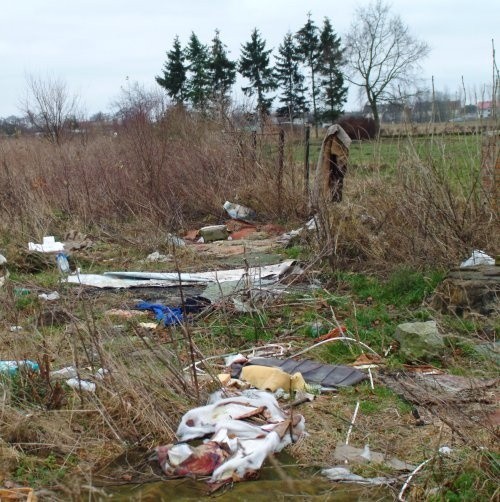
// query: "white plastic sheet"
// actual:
[[239, 445], [254, 275]]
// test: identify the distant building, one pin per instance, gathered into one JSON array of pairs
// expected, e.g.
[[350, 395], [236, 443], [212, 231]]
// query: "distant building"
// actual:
[[485, 109]]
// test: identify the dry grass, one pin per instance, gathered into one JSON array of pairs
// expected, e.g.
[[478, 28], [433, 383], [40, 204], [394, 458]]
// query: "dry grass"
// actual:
[[425, 210], [163, 175]]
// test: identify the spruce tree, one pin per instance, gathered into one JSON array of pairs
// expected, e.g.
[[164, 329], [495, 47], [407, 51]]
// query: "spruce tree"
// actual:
[[174, 74], [198, 83], [254, 65], [333, 91], [222, 72], [290, 80], [309, 48]]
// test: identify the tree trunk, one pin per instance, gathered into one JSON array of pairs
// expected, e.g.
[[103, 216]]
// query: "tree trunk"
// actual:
[[315, 115], [376, 118]]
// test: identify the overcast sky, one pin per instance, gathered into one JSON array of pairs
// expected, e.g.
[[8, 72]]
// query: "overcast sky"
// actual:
[[94, 45]]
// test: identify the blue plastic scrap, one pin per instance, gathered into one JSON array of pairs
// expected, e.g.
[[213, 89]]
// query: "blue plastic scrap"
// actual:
[[12, 367], [167, 315]]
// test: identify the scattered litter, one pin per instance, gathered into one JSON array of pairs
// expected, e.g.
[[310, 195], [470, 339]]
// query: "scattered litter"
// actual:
[[235, 358], [49, 297], [66, 372], [3, 260], [175, 241], [101, 373], [21, 291], [265, 275], [311, 224], [238, 212], [326, 375], [157, 257], [344, 475], [238, 446], [166, 315], [214, 233], [478, 258], [445, 450], [345, 453], [49, 245], [11, 367], [248, 300], [15, 329], [84, 385]]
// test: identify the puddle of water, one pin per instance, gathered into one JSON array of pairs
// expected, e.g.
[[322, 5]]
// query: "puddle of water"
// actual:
[[302, 484], [315, 488]]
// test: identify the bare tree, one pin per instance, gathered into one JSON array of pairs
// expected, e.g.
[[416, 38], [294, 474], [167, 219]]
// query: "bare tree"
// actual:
[[50, 107], [382, 57]]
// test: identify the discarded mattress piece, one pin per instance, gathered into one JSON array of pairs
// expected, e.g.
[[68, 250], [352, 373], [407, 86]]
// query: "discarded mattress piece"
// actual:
[[254, 275], [271, 378], [326, 375], [245, 428], [163, 313]]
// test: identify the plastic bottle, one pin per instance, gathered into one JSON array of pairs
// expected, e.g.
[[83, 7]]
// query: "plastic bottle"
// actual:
[[62, 264]]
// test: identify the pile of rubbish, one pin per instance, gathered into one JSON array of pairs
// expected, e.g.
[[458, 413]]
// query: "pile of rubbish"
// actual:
[[243, 428]]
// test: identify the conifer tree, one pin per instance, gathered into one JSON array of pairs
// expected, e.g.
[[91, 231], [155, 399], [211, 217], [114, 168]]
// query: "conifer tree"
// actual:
[[309, 48], [198, 83], [174, 74], [289, 79], [333, 91], [222, 72], [254, 65]]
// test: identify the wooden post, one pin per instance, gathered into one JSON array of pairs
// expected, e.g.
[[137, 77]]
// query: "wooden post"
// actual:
[[306, 161], [254, 146], [281, 165], [490, 169]]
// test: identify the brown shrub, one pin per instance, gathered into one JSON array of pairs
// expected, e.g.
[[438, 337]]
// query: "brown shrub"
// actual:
[[164, 174]]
